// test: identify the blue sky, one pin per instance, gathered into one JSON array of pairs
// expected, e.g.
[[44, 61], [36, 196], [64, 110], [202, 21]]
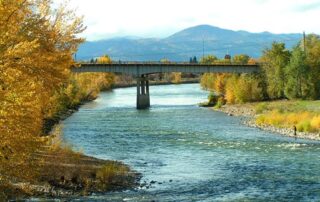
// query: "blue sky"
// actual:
[[161, 18]]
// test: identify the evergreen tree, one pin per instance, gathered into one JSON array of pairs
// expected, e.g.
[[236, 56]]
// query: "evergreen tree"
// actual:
[[195, 60]]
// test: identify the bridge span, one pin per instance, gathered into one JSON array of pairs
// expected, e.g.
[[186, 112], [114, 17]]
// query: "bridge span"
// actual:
[[141, 70]]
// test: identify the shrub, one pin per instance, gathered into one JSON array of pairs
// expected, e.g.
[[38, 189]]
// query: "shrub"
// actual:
[[315, 123], [304, 126], [304, 121], [108, 174], [212, 99], [221, 101], [261, 107]]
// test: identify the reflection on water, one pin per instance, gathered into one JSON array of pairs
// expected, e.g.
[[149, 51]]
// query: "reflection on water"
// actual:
[[192, 153]]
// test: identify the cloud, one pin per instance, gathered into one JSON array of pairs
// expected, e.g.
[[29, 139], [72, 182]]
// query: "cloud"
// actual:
[[160, 18], [308, 7]]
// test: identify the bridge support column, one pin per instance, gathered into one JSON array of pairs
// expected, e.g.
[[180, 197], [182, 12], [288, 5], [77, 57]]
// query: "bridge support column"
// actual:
[[143, 97]]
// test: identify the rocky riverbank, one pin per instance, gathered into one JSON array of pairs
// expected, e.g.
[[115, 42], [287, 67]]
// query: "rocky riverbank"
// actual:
[[248, 112], [67, 174]]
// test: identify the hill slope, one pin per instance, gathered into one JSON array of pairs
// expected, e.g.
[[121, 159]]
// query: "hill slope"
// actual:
[[185, 44]]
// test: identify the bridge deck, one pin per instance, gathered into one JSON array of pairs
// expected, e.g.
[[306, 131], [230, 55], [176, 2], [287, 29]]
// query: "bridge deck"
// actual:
[[150, 68]]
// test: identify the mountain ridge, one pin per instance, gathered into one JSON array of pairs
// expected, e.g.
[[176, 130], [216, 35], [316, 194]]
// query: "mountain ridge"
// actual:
[[189, 42]]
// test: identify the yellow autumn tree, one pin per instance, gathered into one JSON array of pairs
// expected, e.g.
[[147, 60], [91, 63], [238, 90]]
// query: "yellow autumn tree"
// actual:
[[36, 48], [220, 82], [176, 77], [79, 88], [243, 88]]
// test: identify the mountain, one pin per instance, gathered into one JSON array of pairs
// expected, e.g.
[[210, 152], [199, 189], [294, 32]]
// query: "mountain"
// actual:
[[187, 43]]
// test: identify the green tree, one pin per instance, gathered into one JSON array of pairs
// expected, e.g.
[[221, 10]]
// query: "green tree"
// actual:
[[209, 59], [298, 75], [274, 62], [313, 61], [241, 59], [194, 60]]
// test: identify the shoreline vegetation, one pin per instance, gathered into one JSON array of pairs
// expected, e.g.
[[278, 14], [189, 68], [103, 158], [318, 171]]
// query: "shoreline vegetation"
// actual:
[[37, 90], [290, 114], [74, 173], [282, 97], [38, 42]]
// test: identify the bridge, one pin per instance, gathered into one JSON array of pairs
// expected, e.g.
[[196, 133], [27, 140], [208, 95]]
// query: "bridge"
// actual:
[[141, 70]]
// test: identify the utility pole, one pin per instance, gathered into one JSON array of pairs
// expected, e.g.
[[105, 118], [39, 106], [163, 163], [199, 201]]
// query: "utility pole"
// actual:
[[304, 42], [202, 47]]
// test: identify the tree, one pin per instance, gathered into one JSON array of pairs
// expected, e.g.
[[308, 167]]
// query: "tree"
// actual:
[[105, 59], [241, 59], [274, 62], [176, 77], [298, 75], [165, 60], [207, 80], [194, 60], [252, 61], [243, 88], [36, 48], [313, 61], [209, 59]]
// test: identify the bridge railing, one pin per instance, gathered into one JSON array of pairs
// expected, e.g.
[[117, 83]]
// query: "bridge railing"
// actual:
[[170, 63]]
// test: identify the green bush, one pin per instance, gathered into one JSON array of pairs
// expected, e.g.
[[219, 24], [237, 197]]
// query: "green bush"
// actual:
[[221, 101], [212, 99], [304, 126], [261, 107]]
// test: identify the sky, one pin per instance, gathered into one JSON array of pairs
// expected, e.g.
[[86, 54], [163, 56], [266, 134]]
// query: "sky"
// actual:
[[161, 18]]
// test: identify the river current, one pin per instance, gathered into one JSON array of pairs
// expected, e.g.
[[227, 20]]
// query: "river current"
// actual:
[[191, 153]]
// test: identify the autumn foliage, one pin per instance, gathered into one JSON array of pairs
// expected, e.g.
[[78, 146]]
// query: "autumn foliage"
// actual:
[[37, 44], [285, 74], [235, 88], [304, 121]]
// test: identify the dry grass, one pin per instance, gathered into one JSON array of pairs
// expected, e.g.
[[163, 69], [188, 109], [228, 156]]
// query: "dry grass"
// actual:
[[305, 115], [72, 172]]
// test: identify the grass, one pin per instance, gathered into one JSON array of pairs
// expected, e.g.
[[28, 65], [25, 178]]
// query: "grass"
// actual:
[[67, 172], [305, 115], [110, 174], [260, 108]]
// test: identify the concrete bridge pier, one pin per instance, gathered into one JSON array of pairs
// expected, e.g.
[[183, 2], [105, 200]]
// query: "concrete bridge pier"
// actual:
[[143, 97]]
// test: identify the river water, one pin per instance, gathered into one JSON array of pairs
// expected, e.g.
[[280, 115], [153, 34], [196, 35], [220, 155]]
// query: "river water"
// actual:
[[192, 153]]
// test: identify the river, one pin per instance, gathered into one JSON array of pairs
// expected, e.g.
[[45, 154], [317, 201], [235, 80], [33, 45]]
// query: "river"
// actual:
[[192, 153]]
